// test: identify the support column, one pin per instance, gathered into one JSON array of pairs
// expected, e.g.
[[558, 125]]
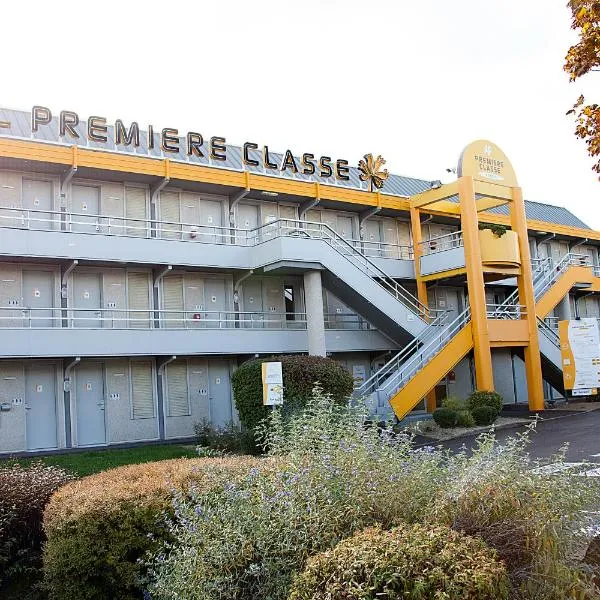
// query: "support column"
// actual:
[[563, 309], [315, 319], [533, 361], [484, 374], [417, 238]]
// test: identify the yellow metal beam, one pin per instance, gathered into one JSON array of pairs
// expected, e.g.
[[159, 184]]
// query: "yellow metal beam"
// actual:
[[561, 288], [487, 203], [493, 190], [434, 195], [433, 372]]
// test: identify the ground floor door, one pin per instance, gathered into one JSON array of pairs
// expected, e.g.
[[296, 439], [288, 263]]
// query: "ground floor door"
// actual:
[[90, 406], [40, 407], [220, 392]]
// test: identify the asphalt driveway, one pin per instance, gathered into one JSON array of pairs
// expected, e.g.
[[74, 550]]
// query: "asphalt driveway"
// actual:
[[580, 430]]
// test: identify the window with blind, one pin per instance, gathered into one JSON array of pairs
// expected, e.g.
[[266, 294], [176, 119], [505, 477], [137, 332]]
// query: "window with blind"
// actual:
[[138, 293], [178, 400], [142, 396]]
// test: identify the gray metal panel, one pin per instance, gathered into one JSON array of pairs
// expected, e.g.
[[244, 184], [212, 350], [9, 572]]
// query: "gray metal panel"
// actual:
[[443, 261], [38, 293]]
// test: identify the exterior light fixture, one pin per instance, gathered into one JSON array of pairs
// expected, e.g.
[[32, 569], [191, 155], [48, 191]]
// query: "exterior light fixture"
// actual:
[[264, 193], [436, 184]]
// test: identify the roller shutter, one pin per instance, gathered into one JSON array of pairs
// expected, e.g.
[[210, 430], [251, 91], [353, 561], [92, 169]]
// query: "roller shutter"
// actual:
[[142, 397], [170, 215], [139, 299], [177, 390], [172, 302], [135, 209]]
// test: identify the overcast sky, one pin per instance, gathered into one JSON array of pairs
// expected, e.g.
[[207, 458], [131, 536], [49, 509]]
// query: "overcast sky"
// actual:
[[413, 81]]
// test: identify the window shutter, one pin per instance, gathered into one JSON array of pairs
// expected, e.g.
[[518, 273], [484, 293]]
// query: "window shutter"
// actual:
[[135, 208], [142, 397], [169, 213], [139, 299], [173, 301], [177, 390]]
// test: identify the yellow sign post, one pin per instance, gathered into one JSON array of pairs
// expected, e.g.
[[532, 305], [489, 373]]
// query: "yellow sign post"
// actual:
[[580, 355], [272, 380]]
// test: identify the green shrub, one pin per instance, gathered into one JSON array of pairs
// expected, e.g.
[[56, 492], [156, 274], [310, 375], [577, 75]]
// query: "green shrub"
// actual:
[[231, 438], [98, 527], [464, 418], [483, 398], [404, 562], [246, 541], [299, 376], [24, 492], [484, 415], [535, 522], [445, 417], [454, 403]]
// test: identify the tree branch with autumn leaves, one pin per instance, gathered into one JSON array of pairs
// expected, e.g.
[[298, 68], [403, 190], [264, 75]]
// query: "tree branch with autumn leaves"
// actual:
[[581, 59]]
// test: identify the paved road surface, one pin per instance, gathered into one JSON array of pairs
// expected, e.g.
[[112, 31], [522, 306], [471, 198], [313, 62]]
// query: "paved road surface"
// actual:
[[581, 431]]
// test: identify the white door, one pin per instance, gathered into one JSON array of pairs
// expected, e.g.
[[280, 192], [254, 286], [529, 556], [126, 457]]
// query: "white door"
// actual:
[[40, 407], [87, 300], [38, 298], [37, 199], [86, 205], [219, 393], [89, 392]]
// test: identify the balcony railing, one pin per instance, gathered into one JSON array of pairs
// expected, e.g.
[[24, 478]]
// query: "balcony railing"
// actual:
[[441, 243], [78, 318]]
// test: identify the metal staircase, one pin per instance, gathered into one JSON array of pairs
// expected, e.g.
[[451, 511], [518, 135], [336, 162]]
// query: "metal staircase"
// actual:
[[345, 248], [385, 389], [387, 382]]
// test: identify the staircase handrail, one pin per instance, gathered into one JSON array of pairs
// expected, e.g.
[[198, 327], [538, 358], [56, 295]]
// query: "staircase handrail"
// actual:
[[400, 377], [546, 274], [291, 227], [548, 332], [373, 382]]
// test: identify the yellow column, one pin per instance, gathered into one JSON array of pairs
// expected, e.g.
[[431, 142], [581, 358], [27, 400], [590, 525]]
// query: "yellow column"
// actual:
[[533, 362], [484, 374], [417, 238]]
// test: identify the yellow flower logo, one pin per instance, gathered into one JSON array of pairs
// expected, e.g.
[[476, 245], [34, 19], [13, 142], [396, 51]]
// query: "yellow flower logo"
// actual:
[[371, 170]]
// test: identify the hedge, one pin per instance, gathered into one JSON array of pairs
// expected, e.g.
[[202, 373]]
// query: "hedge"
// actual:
[[24, 492], [405, 562], [485, 398], [299, 376], [484, 415], [99, 526]]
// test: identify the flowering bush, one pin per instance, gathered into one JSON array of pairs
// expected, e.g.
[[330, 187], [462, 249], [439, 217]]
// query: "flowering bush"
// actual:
[[405, 562], [24, 492], [99, 526], [247, 539], [535, 521]]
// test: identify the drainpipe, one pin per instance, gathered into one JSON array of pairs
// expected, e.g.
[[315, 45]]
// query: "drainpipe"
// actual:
[[236, 296], [155, 190], [67, 400], [161, 396], [64, 292], [65, 179], [155, 294]]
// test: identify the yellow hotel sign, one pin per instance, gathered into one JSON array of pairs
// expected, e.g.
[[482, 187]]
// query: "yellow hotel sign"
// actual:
[[484, 161]]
